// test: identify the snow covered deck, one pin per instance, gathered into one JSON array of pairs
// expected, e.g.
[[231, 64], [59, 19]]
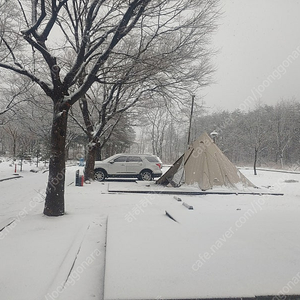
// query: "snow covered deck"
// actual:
[[143, 187], [243, 250]]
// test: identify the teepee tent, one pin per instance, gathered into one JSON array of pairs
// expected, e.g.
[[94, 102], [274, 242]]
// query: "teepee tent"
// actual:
[[205, 165]]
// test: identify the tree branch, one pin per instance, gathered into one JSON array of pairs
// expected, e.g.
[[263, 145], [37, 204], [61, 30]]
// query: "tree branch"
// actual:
[[32, 29], [81, 53], [11, 53], [122, 29], [24, 72]]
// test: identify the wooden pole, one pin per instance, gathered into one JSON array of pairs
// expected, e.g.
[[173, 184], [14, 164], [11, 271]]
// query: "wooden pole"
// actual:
[[191, 116]]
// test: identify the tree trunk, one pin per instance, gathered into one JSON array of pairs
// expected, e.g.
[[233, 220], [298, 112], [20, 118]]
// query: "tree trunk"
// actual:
[[92, 147], [255, 160], [281, 159], [54, 202], [14, 148], [90, 162]]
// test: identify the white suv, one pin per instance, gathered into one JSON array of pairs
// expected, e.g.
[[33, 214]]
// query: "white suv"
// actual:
[[142, 166]]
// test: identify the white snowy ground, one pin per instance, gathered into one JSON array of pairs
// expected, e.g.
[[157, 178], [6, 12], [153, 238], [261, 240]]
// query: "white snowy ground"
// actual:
[[229, 245]]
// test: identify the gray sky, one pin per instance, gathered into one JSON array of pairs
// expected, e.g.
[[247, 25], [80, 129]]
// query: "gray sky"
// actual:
[[259, 54]]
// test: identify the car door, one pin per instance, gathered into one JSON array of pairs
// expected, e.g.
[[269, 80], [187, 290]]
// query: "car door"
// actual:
[[134, 165], [117, 166]]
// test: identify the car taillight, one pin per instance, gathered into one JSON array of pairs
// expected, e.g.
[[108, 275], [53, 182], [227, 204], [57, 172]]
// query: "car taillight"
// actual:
[[159, 165]]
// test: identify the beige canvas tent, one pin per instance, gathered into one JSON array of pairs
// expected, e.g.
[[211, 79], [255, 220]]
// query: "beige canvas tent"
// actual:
[[205, 165]]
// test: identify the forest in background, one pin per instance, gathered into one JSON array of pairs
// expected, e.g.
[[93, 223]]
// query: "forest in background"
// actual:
[[268, 134]]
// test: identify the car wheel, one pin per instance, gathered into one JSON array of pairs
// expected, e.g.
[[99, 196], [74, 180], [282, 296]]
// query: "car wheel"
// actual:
[[99, 175], [146, 175]]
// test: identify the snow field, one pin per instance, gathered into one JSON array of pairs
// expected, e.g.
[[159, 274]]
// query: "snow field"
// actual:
[[227, 246]]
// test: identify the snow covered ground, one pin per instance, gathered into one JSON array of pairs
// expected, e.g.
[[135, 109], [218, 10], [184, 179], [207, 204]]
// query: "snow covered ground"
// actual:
[[124, 246]]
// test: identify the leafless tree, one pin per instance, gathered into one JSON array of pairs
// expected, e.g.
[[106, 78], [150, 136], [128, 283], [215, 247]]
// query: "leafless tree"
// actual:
[[147, 68], [63, 46], [14, 135], [285, 127]]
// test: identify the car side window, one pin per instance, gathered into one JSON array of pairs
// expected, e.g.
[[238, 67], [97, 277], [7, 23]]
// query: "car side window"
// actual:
[[134, 159], [121, 159]]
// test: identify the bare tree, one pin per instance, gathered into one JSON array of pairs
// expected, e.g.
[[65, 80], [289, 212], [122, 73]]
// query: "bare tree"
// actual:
[[13, 133], [146, 67], [121, 138], [285, 126], [64, 47], [158, 119]]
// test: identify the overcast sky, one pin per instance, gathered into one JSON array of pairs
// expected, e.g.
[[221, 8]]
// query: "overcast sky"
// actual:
[[259, 54]]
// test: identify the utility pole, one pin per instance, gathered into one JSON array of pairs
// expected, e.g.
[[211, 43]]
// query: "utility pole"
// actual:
[[191, 116]]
